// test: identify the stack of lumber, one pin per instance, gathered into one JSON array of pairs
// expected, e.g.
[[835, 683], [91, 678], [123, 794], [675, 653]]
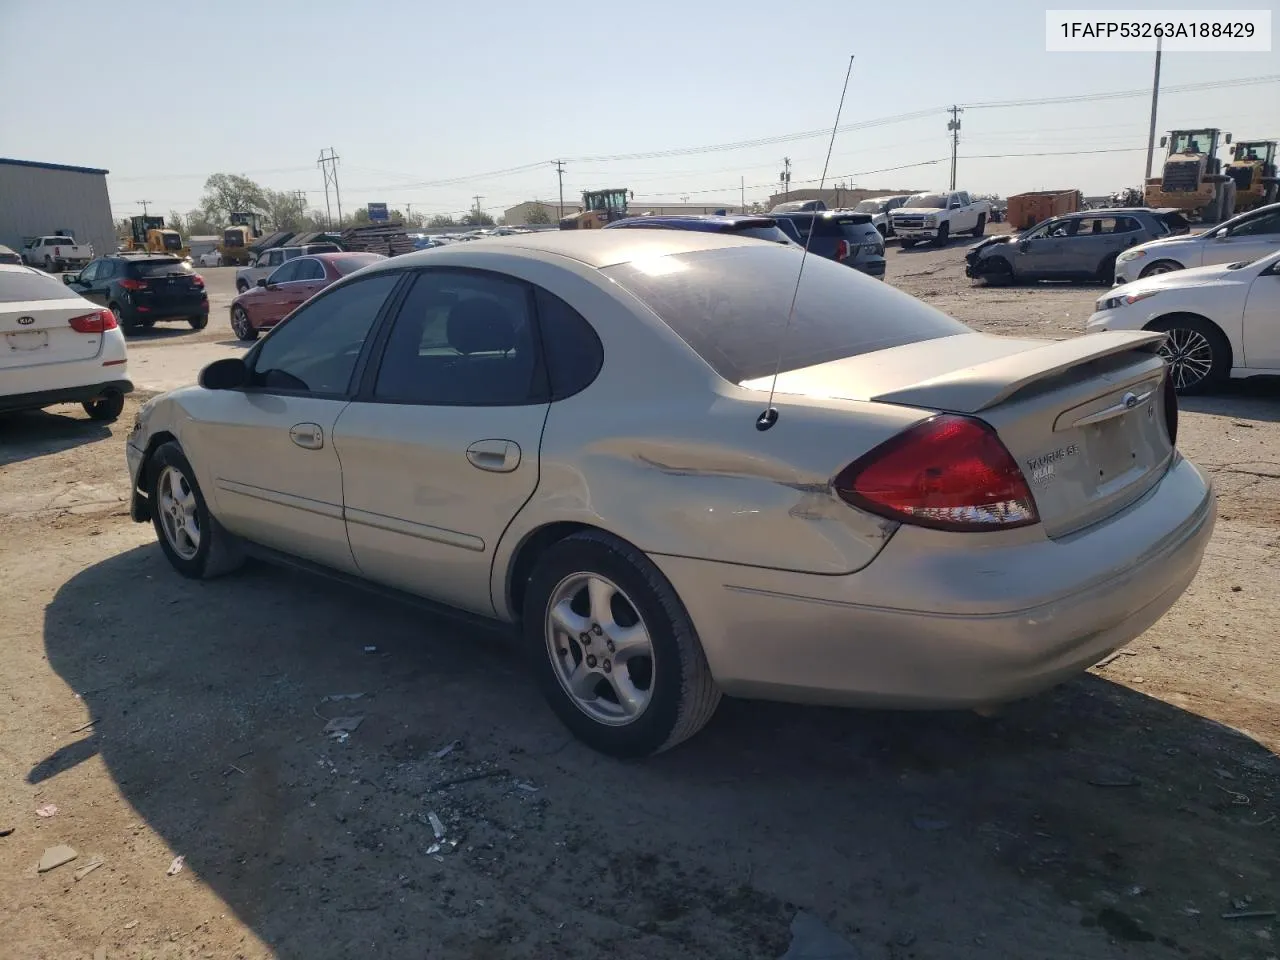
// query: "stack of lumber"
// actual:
[[388, 239]]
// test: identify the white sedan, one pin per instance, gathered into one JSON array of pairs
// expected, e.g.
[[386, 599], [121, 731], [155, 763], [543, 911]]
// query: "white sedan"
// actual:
[[1220, 321], [1246, 237], [57, 347], [212, 258]]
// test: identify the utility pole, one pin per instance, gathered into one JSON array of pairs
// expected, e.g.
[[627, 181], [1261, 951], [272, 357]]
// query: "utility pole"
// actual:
[[786, 177], [742, 187], [476, 208], [329, 167], [560, 174], [954, 126], [1155, 96], [144, 206]]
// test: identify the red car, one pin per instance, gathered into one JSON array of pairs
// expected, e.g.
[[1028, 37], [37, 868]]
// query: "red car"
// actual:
[[292, 284]]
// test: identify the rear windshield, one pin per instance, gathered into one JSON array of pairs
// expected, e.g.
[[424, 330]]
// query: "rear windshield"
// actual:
[[159, 268], [871, 206], [19, 285], [847, 225], [926, 200], [354, 261], [323, 248], [730, 305]]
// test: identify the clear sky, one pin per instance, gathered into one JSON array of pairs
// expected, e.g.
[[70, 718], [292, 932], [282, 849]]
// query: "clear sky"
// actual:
[[413, 93]]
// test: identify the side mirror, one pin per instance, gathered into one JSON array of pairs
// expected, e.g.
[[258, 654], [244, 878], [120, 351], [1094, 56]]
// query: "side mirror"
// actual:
[[226, 374], [262, 282], [1164, 141], [1024, 246], [70, 278]]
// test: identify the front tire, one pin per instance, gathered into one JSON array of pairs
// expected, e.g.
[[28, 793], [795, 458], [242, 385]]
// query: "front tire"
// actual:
[[105, 409], [1198, 353], [195, 544], [981, 229], [1159, 267], [944, 235], [240, 325], [615, 652]]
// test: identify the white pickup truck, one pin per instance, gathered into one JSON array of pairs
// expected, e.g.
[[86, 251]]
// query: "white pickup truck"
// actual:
[[56, 253], [940, 216]]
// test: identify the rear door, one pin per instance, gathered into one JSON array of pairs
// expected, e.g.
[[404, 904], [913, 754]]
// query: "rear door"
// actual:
[[35, 327], [309, 278], [440, 450], [1262, 320]]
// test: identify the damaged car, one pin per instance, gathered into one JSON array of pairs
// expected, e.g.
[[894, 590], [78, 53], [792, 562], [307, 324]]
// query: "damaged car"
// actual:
[[1075, 246]]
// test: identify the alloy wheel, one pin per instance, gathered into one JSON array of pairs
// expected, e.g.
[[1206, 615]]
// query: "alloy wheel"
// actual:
[[178, 515], [1190, 356], [600, 648]]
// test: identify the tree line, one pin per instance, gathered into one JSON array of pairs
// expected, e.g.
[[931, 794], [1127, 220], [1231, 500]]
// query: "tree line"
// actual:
[[227, 193]]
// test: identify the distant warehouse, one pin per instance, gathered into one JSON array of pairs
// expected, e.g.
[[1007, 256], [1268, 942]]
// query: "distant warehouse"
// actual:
[[43, 198]]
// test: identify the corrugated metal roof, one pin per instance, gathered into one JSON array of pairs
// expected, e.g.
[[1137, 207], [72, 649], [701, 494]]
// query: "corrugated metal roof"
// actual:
[[51, 166]]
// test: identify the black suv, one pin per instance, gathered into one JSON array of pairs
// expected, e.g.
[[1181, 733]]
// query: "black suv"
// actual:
[[849, 238], [141, 288]]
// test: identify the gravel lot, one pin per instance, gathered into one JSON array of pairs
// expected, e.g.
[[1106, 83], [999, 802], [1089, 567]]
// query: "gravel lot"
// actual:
[[1121, 815]]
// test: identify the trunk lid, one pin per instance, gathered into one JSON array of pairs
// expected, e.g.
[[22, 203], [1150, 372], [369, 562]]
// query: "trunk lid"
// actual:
[[34, 332], [1084, 417]]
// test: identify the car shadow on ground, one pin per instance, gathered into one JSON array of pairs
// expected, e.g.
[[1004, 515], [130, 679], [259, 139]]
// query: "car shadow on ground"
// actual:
[[35, 433], [162, 332], [1257, 398], [1083, 817]]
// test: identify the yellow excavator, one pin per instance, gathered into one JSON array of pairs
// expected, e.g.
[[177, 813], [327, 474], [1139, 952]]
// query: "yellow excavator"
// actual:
[[237, 238], [1253, 168], [1192, 179], [151, 235], [598, 208]]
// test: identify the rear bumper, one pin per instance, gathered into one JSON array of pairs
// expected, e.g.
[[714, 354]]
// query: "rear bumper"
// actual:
[[872, 268], [939, 621], [169, 311], [47, 398]]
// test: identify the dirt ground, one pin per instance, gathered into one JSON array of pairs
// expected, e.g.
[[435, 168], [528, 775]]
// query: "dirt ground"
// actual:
[[1121, 815]]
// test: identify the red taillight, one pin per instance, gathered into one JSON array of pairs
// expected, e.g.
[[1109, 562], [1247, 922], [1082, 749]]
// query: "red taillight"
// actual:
[[1170, 406], [128, 284], [842, 250], [96, 322], [949, 472], [197, 280]]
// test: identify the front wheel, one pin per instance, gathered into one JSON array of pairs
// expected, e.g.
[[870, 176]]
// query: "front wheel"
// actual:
[[240, 325], [195, 544], [615, 653], [944, 235], [105, 409], [1159, 267], [1198, 354], [981, 228]]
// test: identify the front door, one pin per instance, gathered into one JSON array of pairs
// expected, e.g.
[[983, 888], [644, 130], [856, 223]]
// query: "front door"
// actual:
[[440, 449], [1252, 238], [278, 478], [90, 284], [1262, 321], [1039, 252]]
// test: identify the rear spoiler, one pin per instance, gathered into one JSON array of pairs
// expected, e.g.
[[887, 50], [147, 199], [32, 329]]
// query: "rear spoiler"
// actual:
[[987, 384]]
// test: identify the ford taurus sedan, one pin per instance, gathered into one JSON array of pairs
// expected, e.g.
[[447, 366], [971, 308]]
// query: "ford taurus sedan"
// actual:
[[580, 434], [288, 287]]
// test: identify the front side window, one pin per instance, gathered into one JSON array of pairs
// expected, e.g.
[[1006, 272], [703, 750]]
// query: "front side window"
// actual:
[[1260, 226], [316, 349], [90, 273], [462, 338]]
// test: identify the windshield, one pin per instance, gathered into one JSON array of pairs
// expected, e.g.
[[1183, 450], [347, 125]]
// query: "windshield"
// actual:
[[233, 238], [930, 200], [1193, 141], [731, 306], [871, 206], [19, 285], [354, 261]]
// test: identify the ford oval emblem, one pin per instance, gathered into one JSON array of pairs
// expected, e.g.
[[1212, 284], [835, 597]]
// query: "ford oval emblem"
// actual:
[[26, 321]]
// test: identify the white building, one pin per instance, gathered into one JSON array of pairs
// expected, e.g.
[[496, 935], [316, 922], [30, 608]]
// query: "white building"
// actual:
[[37, 199]]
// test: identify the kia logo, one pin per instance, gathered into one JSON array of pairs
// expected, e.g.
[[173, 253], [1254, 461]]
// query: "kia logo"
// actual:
[[26, 321]]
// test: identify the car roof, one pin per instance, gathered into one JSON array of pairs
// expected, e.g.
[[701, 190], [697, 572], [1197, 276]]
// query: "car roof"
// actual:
[[692, 221], [17, 268], [595, 248], [140, 255]]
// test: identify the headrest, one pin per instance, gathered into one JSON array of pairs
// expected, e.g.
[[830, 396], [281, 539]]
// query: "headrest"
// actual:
[[480, 325]]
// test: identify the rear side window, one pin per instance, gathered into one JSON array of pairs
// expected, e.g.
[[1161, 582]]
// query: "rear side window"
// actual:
[[763, 233], [19, 285], [160, 268], [573, 352], [730, 305], [354, 262]]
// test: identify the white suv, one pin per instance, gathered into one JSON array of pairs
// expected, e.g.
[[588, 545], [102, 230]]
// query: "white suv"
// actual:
[[1245, 237], [57, 347]]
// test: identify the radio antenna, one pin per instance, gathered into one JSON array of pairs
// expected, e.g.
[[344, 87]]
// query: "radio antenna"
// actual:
[[770, 415]]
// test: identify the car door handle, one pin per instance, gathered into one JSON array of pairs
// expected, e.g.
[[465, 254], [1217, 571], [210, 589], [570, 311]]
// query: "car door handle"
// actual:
[[309, 436], [496, 456]]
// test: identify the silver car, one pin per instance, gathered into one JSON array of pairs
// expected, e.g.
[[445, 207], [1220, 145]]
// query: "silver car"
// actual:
[[573, 433], [1245, 237]]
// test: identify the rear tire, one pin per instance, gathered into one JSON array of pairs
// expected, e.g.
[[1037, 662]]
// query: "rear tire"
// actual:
[[981, 229], [105, 409], [48, 264], [240, 325], [196, 545], [944, 235], [127, 327], [241, 287], [1107, 269], [1198, 353], [199, 321], [608, 590]]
